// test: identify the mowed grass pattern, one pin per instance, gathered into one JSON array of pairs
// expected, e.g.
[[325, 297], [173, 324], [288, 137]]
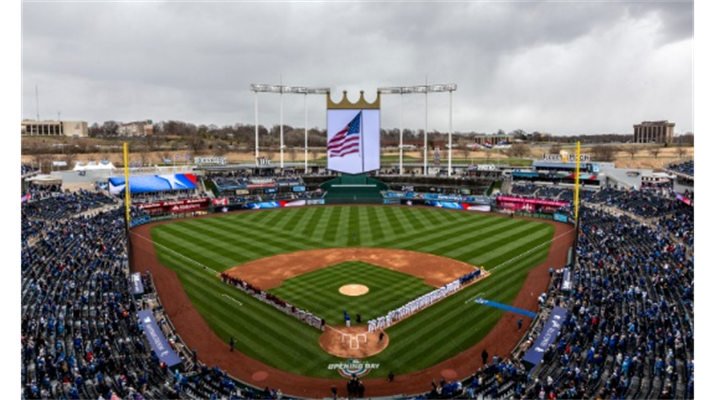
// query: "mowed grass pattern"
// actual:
[[319, 291], [508, 248]]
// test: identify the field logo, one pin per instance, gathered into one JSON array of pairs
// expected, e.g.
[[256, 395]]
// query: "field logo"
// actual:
[[353, 367]]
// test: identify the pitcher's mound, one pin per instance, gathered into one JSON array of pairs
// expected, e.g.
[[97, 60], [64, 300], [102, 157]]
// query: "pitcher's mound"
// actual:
[[354, 290]]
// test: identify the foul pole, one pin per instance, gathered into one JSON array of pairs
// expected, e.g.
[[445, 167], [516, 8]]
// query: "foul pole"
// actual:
[[127, 193], [578, 179]]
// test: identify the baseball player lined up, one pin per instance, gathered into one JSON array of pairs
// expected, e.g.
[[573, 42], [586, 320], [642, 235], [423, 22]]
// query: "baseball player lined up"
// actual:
[[413, 306]]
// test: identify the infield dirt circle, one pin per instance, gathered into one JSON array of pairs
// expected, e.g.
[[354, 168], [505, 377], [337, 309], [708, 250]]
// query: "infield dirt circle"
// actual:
[[354, 290]]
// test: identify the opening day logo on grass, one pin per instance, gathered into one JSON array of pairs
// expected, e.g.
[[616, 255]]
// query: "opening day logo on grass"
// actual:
[[353, 367]]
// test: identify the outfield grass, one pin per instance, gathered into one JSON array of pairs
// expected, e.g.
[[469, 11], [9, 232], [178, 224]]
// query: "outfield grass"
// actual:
[[508, 248], [318, 291]]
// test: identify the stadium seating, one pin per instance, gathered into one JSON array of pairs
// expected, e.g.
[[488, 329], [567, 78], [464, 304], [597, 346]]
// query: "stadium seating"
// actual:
[[687, 168], [629, 332]]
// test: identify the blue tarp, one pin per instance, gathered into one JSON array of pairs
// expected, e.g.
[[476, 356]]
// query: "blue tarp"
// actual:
[[152, 183], [505, 307]]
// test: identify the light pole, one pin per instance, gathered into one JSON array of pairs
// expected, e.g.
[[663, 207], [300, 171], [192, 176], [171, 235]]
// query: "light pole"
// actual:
[[286, 89], [451, 89], [448, 87], [256, 112], [398, 90]]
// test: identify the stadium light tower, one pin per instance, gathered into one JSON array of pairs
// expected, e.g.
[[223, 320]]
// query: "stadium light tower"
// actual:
[[286, 89], [448, 87], [400, 91]]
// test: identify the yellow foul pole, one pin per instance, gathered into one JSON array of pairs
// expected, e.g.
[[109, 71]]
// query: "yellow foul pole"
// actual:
[[127, 193], [578, 176]]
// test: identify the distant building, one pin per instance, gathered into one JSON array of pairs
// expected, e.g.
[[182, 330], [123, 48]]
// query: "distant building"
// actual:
[[138, 128], [53, 128], [493, 139], [653, 132]]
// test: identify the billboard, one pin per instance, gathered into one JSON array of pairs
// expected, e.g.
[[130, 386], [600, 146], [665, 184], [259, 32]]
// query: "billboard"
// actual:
[[152, 183]]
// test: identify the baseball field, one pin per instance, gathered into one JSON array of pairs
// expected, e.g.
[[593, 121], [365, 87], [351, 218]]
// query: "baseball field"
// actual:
[[296, 255]]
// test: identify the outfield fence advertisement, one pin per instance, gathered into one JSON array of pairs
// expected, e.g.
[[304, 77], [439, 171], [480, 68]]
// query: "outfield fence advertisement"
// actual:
[[175, 206]]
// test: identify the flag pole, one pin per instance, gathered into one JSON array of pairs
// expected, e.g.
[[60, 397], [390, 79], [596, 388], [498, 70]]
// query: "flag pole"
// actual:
[[362, 149]]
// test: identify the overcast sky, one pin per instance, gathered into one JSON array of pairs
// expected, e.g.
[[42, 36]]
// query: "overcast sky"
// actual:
[[557, 67]]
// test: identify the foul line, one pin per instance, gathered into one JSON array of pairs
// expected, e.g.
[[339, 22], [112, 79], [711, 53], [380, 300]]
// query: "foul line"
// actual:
[[474, 297], [531, 250], [174, 252], [239, 303]]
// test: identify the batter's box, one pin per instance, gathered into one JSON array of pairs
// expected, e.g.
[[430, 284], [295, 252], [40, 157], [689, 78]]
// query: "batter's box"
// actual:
[[354, 340]]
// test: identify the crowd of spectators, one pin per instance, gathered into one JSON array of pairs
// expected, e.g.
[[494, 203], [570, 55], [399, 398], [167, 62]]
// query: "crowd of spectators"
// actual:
[[629, 330], [687, 168], [54, 205], [642, 203], [524, 189], [80, 337], [547, 192], [27, 169]]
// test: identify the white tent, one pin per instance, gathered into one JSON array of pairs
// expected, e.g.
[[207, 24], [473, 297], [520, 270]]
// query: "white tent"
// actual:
[[93, 166]]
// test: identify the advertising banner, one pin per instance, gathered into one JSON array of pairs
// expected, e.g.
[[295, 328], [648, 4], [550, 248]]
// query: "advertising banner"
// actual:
[[210, 160], [177, 206], [260, 185], [566, 282], [561, 217], [157, 340], [152, 183], [546, 337], [135, 285], [299, 188], [684, 199], [540, 202]]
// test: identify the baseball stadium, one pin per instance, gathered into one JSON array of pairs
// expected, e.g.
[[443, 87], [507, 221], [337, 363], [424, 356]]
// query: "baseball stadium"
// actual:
[[359, 277]]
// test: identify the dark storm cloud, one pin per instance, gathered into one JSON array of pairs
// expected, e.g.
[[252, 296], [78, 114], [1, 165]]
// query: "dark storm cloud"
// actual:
[[517, 65]]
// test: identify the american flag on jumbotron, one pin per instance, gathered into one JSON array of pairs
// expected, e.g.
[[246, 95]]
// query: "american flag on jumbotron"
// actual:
[[347, 141]]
